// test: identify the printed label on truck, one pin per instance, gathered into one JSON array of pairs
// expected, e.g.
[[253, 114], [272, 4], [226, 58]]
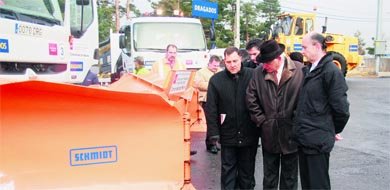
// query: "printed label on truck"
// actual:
[[93, 155], [53, 49], [76, 66], [27, 30], [4, 47]]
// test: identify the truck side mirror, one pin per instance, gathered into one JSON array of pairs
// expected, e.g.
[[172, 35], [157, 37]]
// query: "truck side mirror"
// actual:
[[125, 37], [96, 54], [323, 29], [122, 30], [122, 41]]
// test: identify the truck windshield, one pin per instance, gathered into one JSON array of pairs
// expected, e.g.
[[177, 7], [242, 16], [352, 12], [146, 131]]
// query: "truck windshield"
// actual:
[[44, 12], [286, 24], [283, 25], [156, 36]]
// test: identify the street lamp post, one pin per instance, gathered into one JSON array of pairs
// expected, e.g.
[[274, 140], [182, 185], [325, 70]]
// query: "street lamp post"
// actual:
[[117, 22], [378, 36], [176, 12], [237, 25], [128, 9]]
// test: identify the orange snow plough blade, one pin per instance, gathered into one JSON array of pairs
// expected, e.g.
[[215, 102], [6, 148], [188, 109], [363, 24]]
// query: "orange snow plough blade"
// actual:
[[60, 136]]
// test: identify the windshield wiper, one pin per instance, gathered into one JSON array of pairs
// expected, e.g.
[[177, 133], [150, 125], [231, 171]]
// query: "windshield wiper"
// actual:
[[10, 14], [38, 20], [150, 49]]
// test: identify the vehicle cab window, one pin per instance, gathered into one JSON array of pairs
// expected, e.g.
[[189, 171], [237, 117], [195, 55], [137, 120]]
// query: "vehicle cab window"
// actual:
[[309, 25], [299, 26]]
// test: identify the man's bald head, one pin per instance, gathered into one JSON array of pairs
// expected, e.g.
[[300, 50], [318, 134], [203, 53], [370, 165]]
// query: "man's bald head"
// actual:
[[313, 46], [317, 37]]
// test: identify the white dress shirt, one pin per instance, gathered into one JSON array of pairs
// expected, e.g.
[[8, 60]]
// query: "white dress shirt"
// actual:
[[314, 65], [280, 71]]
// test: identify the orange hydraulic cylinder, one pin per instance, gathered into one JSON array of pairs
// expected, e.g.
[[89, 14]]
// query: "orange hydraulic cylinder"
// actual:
[[187, 160]]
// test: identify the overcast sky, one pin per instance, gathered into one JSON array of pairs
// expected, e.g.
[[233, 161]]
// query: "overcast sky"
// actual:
[[344, 16]]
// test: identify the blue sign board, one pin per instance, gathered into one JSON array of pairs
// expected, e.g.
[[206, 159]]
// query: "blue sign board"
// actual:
[[4, 47], [353, 48], [297, 47], [205, 9]]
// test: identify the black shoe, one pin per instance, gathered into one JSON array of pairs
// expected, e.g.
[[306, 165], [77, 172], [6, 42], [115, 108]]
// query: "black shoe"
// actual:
[[192, 152], [212, 149]]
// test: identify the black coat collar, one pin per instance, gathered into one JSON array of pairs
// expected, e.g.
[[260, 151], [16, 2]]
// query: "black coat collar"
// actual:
[[326, 59], [230, 75]]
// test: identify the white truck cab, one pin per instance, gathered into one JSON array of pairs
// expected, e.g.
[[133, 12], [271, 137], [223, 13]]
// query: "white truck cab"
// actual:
[[149, 36], [50, 40]]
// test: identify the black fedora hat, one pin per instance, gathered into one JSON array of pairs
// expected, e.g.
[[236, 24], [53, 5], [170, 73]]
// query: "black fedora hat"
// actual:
[[269, 50]]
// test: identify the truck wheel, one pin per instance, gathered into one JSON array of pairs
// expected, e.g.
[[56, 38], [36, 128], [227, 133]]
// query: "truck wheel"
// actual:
[[340, 62]]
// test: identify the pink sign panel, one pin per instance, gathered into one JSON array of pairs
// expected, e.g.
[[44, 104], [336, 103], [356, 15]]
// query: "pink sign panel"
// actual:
[[188, 62], [52, 49]]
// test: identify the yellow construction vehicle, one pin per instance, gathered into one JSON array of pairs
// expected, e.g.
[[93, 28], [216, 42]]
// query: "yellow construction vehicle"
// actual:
[[291, 27]]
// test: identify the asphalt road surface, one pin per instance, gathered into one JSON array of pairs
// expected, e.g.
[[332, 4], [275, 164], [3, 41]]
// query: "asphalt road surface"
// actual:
[[360, 161]]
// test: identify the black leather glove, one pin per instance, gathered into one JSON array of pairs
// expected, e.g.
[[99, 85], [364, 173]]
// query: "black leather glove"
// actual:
[[214, 139]]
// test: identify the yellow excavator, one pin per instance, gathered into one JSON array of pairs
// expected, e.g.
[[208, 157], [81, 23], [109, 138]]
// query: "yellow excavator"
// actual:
[[291, 27]]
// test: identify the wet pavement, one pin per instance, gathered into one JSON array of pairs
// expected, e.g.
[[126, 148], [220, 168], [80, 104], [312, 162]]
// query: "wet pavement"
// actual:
[[206, 167], [360, 161]]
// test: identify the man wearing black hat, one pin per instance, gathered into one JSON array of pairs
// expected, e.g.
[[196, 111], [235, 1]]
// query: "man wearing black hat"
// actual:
[[272, 97]]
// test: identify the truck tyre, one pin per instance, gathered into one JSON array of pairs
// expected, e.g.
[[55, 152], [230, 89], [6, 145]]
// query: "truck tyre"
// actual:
[[340, 62]]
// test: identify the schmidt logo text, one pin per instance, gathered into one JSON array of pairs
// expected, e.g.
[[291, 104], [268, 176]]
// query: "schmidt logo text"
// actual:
[[93, 155]]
